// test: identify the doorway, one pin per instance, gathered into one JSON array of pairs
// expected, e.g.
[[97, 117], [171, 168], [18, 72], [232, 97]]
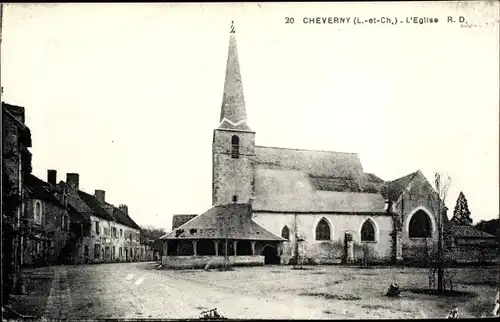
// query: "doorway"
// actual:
[[271, 256]]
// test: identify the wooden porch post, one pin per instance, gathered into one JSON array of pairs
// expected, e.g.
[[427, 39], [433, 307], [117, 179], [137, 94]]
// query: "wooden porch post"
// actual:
[[216, 243], [165, 248], [235, 245], [253, 247], [195, 242]]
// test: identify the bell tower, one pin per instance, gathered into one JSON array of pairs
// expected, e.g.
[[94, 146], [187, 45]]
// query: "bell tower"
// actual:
[[233, 146]]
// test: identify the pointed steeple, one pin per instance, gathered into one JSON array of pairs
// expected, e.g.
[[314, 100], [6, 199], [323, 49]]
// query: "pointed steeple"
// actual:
[[233, 114]]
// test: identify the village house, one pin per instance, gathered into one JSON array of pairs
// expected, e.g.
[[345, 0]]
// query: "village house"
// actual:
[[109, 234], [46, 225], [281, 205], [16, 167], [467, 244]]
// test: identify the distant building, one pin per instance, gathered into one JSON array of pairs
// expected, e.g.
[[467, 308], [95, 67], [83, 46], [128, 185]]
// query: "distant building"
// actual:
[[278, 205], [467, 244], [111, 235]]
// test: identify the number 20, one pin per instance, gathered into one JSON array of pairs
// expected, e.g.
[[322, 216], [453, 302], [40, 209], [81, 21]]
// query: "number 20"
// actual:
[[289, 20]]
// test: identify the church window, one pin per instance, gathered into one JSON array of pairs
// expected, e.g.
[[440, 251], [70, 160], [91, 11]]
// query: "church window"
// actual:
[[368, 231], [235, 198], [285, 233], [323, 230], [420, 225], [235, 147]]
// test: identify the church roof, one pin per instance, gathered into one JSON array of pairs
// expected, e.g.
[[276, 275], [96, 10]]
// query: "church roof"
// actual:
[[282, 190], [393, 189], [233, 221], [314, 181], [316, 163], [233, 113]]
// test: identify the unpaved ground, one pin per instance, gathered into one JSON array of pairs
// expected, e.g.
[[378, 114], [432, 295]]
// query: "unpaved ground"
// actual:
[[138, 290]]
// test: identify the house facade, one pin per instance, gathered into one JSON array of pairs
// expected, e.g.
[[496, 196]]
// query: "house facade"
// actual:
[[16, 166], [110, 235], [46, 224], [312, 206]]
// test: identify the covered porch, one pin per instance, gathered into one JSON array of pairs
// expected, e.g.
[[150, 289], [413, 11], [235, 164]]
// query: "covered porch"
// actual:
[[223, 234]]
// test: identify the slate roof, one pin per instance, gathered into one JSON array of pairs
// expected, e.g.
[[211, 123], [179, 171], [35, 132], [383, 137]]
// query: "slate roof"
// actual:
[[233, 221], [316, 163], [40, 189], [467, 231], [292, 180], [233, 101], [393, 189], [179, 220], [124, 219], [94, 205], [16, 113]]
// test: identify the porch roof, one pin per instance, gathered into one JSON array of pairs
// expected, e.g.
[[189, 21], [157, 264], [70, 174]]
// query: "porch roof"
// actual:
[[233, 221]]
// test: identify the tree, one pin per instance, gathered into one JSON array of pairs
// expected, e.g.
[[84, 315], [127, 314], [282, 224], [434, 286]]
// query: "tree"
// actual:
[[442, 187], [461, 214]]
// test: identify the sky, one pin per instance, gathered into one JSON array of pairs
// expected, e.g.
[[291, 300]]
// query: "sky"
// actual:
[[128, 95]]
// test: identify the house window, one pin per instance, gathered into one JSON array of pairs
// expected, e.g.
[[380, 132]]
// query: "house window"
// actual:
[[113, 254], [97, 230], [235, 198], [285, 233], [420, 225], [121, 233], [130, 237], [120, 252], [235, 147], [368, 231], [323, 230], [138, 237], [65, 222], [38, 212]]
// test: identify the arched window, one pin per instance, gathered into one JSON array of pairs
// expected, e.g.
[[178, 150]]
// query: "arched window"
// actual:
[[420, 225], [368, 231], [323, 230], [285, 233], [38, 212], [235, 147]]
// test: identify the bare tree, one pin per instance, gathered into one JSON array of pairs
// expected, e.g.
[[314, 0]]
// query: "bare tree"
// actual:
[[442, 186]]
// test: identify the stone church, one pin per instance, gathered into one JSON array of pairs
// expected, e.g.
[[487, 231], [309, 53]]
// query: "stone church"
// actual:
[[277, 205]]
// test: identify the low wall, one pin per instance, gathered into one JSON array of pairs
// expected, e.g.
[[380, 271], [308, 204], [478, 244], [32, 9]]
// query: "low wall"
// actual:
[[214, 261]]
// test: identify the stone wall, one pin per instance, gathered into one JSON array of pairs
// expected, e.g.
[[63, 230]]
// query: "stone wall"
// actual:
[[418, 195], [331, 251], [53, 237], [232, 177], [180, 262]]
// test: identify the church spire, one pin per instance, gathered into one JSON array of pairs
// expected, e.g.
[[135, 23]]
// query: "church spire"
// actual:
[[233, 114]]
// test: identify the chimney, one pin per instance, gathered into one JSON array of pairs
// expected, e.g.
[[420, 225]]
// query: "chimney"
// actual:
[[100, 196], [123, 209], [73, 179], [52, 177]]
